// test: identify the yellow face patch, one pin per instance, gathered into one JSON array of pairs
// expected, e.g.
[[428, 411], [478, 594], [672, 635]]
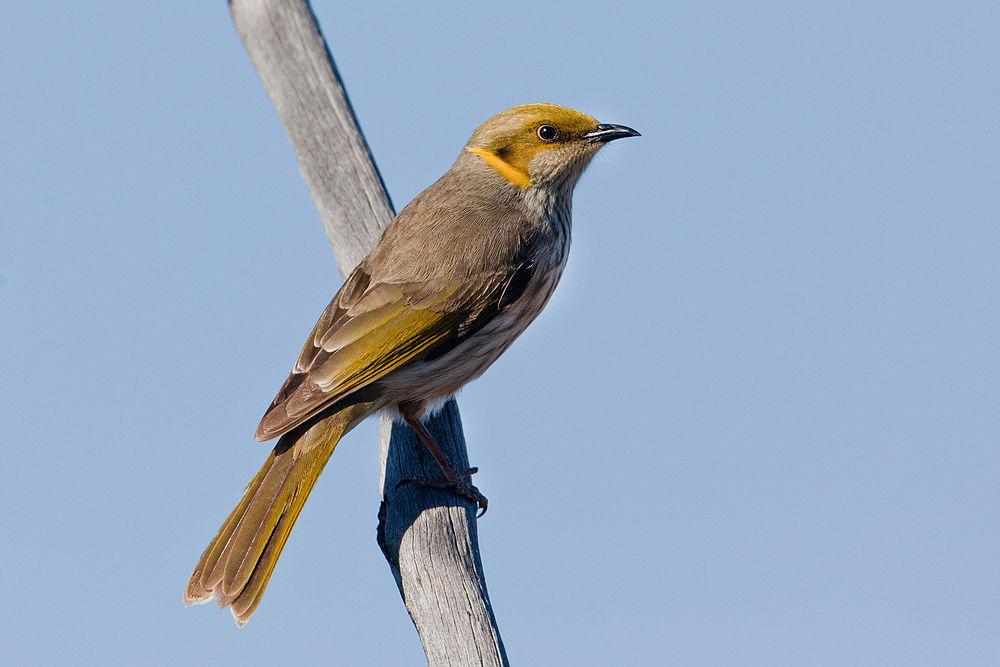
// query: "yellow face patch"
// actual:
[[508, 141], [518, 177]]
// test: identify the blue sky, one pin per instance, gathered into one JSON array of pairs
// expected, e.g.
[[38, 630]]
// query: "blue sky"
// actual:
[[757, 424]]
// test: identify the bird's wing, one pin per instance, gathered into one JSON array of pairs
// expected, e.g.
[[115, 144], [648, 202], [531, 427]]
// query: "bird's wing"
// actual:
[[371, 329]]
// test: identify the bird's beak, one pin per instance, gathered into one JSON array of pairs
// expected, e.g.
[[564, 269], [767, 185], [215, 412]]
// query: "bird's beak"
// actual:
[[606, 132]]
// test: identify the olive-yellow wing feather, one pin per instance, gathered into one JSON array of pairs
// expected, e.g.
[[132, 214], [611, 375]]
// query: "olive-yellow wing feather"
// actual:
[[359, 339]]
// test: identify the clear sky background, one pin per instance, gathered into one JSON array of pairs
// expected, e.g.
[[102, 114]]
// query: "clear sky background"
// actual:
[[758, 424]]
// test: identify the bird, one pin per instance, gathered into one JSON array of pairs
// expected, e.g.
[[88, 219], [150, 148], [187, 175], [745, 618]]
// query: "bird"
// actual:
[[460, 273]]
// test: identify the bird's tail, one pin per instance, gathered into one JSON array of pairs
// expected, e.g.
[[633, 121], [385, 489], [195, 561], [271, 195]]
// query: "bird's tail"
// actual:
[[238, 562]]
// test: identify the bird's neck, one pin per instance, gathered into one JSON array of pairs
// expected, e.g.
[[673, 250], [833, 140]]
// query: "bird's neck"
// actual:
[[552, 208]]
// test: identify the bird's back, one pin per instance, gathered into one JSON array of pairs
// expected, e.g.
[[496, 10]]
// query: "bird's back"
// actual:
[[465, 224]]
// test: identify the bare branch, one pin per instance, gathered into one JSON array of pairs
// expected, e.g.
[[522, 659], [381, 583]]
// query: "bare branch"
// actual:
[[428, 537]]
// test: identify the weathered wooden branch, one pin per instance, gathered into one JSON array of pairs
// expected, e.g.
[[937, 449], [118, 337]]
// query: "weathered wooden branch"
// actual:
[[428, 537]]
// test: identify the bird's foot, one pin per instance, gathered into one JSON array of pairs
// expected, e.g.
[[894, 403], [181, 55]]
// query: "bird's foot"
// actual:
[[458, 484]]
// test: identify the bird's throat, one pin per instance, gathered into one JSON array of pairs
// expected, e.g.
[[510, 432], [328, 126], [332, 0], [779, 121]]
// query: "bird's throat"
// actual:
[[511, 173]]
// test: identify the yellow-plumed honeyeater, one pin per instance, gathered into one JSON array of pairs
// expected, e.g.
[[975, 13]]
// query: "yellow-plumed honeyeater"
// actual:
[[456, 277]]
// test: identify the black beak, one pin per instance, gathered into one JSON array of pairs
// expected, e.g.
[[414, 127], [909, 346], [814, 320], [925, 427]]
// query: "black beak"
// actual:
[[606, 132]]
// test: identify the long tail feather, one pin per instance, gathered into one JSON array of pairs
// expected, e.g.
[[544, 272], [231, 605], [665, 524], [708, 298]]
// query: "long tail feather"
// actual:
[[237, 565]]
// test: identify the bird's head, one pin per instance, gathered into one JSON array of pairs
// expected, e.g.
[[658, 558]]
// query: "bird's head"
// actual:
[[542, 145]]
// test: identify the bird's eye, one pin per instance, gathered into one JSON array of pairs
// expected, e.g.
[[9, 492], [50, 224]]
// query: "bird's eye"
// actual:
[[547, 133]]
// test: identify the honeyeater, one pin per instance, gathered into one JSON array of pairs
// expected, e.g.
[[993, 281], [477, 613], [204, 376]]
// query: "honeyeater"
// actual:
[[456, 277]]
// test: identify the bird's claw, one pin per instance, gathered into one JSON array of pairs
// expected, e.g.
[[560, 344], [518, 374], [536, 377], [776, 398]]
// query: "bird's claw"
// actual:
[[458, 484]]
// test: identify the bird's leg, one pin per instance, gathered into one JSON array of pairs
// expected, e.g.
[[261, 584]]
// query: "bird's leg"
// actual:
[[454, 480]]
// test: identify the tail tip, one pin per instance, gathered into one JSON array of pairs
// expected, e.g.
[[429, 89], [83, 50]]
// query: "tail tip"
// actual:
[[241, 621], [194, 597]]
